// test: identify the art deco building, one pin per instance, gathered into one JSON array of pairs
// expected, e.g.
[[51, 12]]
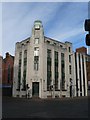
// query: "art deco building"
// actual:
[[44, 67]]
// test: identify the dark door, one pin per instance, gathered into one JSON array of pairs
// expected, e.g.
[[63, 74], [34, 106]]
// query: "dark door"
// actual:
[[35, 89]]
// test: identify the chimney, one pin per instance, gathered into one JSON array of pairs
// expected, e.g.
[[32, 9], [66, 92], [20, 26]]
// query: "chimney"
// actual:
[[7, 54]]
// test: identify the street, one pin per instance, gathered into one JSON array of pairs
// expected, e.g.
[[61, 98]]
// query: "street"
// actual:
[[46, 108]]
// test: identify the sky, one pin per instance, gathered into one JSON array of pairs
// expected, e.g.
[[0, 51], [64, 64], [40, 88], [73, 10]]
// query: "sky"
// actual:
[[62, 21]]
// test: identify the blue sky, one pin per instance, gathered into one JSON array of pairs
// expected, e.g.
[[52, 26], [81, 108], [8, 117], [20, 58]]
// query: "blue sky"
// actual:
[[63, 21]]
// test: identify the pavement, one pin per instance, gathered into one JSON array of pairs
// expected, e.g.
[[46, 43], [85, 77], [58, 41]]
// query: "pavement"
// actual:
[[45, 108]]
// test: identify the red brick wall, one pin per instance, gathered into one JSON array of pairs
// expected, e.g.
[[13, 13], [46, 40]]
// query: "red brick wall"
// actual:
[[8, 61], [82, 50]]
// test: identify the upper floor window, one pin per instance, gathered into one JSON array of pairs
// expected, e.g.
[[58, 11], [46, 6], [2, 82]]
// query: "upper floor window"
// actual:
[[36, 51], [48, 53], [70, 58], [25, 58], [62, 57], [56, 55], [36, 63], [20, 55], [25, 54], [37, 26], [20, 59], [69, 49], [36, 41], [70, 69]]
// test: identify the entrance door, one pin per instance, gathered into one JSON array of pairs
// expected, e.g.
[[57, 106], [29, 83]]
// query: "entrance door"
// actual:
[[35, 89]]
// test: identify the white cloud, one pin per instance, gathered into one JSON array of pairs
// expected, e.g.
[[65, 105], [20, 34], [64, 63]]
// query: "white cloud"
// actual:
[[18, 20]]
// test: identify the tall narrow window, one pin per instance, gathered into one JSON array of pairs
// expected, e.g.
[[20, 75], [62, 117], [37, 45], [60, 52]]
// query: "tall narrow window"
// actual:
[[70, 58], [48, 69], [69, 49], [36, 58], [19, 71], [56, 69], [62, 71], [70, 69], [36, 63], [36, 51], [24, 70]]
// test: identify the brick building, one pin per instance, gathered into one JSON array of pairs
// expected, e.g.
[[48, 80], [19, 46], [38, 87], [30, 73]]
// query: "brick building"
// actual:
[[7, 74], [82, 50]]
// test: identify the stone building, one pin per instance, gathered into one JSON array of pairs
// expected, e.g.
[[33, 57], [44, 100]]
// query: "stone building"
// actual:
[[43, 67]]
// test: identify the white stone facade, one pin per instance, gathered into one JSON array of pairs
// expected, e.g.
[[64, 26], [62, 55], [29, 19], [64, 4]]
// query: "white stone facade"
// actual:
[[32, 68]]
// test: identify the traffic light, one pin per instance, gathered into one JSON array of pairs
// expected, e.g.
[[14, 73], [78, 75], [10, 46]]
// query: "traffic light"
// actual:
[[88, 39], [87, 28], [87, 25]]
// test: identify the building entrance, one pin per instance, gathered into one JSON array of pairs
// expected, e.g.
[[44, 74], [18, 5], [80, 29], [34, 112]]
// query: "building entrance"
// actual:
[[35, 89]]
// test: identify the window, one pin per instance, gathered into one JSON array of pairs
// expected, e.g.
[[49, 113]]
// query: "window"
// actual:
[[69, 49], [19, 71], [24, 70], [36, 40], [20, 55], [70, 69], [62, 56], [48, 53], [56, 55], [25, 53], [61, 46], [62, 71], [48, 41], [70, 58], [56, 69], [24, 80], [36, 63], [25, 58], [48, 68], [36, 58], [36, 51], [37, 26]]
